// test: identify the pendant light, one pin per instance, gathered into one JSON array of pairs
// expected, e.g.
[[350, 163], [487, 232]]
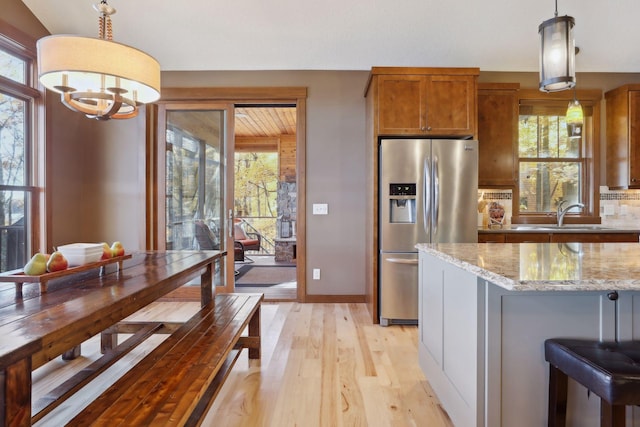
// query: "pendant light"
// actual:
[[557, 53], [97, 76], [574, 117]]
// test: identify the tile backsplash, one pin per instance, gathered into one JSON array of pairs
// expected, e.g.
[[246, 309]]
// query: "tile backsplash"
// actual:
[[618, 208]]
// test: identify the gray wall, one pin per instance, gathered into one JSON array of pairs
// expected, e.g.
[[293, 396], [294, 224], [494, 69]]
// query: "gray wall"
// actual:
[[335, 166]]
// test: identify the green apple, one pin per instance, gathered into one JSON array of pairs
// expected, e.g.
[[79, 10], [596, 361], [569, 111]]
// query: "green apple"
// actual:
[[57, 262], [37, 265], [117, 249], [106, 251]]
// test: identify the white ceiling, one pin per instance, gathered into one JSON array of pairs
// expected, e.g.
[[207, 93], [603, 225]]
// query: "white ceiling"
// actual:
[[495, 35]]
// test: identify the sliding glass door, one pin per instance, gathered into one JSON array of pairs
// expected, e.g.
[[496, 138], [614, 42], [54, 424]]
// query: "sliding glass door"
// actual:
[[193, 155]]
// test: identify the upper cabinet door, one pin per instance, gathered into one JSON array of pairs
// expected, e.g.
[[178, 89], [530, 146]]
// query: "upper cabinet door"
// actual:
[[450, 105], [634, 138], [497, 134], [623, 137], [429, 105], [401, 106]]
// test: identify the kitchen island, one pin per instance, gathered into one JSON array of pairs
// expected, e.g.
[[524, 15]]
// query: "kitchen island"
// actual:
[[486, 309]]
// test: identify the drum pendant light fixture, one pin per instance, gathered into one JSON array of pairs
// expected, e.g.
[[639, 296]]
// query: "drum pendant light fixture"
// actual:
[[557, 53], [97, 76]]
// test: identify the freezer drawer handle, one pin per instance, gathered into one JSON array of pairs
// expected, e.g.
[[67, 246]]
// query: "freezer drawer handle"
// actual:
[[402, 261]]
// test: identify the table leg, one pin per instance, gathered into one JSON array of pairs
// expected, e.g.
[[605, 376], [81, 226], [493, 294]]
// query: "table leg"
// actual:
[[73, 353], [15, 394], [254, 332], [207, 289]]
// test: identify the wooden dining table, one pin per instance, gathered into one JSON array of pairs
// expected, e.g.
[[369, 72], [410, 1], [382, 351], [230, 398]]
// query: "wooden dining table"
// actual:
[[36, 327]]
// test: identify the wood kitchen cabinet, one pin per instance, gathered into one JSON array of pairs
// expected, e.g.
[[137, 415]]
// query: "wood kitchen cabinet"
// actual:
[[434, 102], [410, 102], [623, 137], [594, 237], [498, 134], [528, 237]]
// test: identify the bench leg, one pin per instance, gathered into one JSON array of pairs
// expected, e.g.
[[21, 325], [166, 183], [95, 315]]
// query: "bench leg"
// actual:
[[108, 341], [557, 397], [611, 415], [254, 331]]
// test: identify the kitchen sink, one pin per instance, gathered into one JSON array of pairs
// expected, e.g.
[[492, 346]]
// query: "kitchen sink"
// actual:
[[553, 227]]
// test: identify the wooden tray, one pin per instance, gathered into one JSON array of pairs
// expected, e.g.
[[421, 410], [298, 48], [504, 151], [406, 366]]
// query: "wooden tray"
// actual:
[[18, 277]]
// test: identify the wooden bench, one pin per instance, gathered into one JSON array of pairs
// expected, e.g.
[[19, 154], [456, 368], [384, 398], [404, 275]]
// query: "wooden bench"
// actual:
[[176, 383]]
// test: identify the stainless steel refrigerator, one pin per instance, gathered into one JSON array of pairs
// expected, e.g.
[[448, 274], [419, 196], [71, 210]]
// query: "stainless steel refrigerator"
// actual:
[[428, 193]]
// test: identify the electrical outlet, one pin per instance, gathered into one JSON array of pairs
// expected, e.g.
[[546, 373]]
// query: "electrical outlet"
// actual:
[[316, 274]]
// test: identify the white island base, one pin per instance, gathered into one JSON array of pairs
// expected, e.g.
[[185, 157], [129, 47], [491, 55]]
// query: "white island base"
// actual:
[[481, 346]]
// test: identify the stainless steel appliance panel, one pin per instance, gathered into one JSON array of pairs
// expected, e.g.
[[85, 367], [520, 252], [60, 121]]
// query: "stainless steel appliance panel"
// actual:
[[428, 194], [399, 287], [455, 191], [402, 161]]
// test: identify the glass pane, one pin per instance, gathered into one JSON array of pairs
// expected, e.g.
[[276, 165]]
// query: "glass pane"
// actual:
[[194, 180], [12, 140], [544, 184], [546, 137], [13, 230], [12, 67], [256, 196]]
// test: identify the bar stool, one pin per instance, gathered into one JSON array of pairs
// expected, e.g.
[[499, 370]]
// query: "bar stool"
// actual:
[[610, 370]]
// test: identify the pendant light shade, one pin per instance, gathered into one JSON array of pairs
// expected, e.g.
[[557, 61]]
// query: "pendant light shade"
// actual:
[[97, 76], [557, 54]]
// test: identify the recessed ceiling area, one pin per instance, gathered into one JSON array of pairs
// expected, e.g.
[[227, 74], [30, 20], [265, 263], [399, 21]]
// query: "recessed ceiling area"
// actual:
[[495, 35]]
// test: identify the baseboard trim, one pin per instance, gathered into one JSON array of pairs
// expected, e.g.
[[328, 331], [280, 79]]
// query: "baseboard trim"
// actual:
[[335, 298]]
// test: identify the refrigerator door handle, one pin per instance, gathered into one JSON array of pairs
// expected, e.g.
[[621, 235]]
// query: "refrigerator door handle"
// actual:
[[436, 197], [402, 261], [426, 199]]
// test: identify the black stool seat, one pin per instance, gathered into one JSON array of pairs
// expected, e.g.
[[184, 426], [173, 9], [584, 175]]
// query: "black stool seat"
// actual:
[[611, 370]]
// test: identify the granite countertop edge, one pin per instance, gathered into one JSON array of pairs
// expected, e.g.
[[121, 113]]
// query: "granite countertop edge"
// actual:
[[512, 284]]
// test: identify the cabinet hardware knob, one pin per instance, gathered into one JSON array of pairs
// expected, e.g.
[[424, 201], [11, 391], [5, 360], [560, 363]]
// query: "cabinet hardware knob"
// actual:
[[613, 296], [428, 127]]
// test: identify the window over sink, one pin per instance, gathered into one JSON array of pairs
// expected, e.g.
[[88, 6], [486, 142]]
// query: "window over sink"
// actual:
[[553, 167]]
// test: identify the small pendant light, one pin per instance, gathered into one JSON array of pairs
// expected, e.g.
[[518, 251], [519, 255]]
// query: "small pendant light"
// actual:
[[574, 117], [557, 53]]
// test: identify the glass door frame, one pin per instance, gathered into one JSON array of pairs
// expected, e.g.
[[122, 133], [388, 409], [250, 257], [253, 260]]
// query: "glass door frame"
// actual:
[[156, 238]]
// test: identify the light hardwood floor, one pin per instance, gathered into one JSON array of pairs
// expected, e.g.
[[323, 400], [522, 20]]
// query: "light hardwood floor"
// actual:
[[322, 365]]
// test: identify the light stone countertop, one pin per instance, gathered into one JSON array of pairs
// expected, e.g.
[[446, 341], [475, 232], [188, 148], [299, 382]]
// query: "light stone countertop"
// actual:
[[546, 266]]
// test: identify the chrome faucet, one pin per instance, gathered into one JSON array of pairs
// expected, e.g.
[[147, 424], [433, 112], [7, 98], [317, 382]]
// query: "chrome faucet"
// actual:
[[562, 212]]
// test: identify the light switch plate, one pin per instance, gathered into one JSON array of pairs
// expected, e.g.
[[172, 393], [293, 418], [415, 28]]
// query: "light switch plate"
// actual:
[[320, 209]]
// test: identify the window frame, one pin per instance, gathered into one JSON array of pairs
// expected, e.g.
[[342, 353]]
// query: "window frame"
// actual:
[[590, 174], [23, 46]]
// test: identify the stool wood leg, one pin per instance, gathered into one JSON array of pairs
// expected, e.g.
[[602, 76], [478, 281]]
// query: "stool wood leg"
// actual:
[[557, 397], [611, 415]]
